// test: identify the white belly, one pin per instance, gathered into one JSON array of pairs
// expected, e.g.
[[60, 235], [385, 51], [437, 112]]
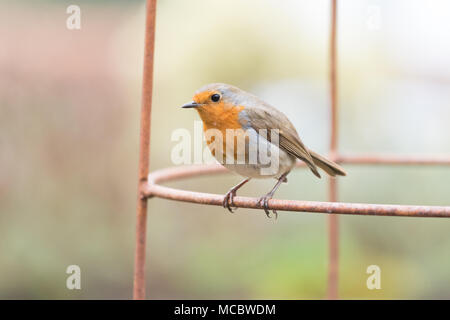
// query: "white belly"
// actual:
[[258, 159]]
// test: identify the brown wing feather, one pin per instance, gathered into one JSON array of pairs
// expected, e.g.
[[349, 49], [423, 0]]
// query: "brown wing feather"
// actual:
[[267, 117]]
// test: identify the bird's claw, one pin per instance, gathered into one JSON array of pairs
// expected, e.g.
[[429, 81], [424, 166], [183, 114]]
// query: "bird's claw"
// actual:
[[228, 201], [264, 202]]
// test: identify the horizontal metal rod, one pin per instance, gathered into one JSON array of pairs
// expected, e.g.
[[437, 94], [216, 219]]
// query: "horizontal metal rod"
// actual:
[[154, 189], [386, 159], [389, 159]]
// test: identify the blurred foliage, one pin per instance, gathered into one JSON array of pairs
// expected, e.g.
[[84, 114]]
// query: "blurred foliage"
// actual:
[[69, 119]]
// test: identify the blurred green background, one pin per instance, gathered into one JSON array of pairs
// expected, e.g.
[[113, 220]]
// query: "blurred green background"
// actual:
[[69, 121]]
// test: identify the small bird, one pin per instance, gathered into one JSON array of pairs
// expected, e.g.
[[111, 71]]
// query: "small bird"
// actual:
[[225, 108]]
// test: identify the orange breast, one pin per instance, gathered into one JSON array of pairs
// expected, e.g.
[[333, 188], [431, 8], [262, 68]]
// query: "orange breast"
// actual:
[[221, 116]]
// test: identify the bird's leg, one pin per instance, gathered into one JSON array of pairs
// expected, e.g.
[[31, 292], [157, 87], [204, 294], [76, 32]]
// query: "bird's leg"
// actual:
[[264, 201], [228, 199]]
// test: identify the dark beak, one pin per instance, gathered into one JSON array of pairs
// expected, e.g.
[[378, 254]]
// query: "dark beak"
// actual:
[[190, 105]]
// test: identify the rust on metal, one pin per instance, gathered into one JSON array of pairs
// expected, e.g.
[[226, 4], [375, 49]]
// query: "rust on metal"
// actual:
[[333, 226], [155, 189], [144, 152], [150, 184], [386, 159]]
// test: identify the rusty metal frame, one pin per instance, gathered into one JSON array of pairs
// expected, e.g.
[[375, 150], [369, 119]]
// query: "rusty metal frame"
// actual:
[[155, 189], [144, 151], [333, 230], [150, 184]]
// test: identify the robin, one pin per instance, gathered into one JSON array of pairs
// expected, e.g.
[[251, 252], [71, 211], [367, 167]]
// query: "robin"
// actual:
[[225, 108]]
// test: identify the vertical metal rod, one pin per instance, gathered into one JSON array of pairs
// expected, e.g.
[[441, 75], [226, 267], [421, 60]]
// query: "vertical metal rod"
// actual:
[[144, 151], [333, 245], [333, 231]]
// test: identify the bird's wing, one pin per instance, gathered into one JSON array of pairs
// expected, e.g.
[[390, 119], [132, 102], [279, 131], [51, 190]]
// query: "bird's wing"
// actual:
[[267, 117]]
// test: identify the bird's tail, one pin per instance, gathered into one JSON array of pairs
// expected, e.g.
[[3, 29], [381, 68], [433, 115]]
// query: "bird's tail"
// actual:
[[326, 165]]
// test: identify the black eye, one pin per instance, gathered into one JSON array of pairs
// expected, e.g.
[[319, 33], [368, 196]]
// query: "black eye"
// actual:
[[215, 97]]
